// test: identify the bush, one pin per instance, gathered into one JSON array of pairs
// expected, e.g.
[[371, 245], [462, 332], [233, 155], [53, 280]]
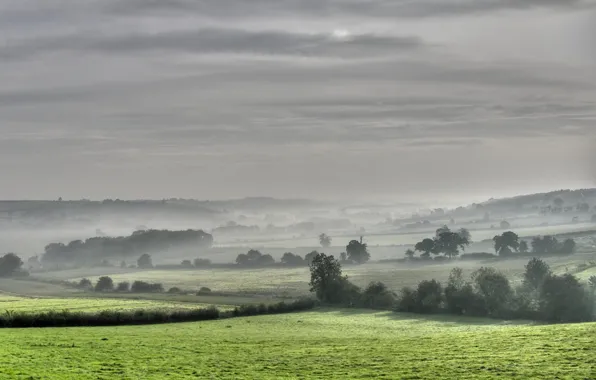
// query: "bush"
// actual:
[[563, 299], [106, 317], [186, 264], [478, 256], [429, 296], [123, 286], [495, 290], [104, 284], [9, 264], [204, 290], [276, 308], [198, 263], [175, 290], [377, 296], [85, 283], [144, 261], [407, 301], [146, 287]]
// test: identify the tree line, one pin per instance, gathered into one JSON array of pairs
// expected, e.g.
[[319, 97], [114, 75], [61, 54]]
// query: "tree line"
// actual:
[[542, 296], [450, 243], [143, 241]]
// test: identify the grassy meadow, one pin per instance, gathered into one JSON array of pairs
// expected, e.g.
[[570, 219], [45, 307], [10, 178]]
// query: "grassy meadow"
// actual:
[[28, 304], [323, 344], [293, 282]]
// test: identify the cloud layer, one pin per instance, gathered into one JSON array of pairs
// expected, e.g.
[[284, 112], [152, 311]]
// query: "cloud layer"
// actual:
[[143, 98]]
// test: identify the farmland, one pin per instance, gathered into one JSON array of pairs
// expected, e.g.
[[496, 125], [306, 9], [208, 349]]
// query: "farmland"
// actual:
[[292, 282], [319, 344], [27, 304]]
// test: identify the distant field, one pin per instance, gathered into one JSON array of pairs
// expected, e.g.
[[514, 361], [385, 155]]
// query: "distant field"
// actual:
[[22, 304], [323, 344], [294, 281]]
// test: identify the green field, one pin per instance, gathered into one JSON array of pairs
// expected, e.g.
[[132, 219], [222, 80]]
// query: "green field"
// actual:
[[28, 304], [322, 344], [294, 281]]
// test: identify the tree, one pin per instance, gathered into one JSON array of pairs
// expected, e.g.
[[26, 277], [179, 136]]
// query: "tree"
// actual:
[[523, 246], [494, 288], [410, 254], [357, 251], [429, 296], [536, 271], [564, 299], [568, 246], [325, 240], [343, 257], [254, 258], [505, 225], [546, 244], [9, 264], [291, 259], [377, 295], [325, 278], [506, 243], [198, 263], [450, 243], [583, 207], [186, 264], [465, 234], [85, 283], [104, 284], [310, 256], [558, 202], [145, 261], [123, 286], [122, 264], [441, 230], [426, 246]]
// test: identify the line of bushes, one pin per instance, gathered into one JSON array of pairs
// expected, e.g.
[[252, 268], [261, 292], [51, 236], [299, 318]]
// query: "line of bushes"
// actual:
[[142, 316], [543, 295], [106, 317], [275, 308]]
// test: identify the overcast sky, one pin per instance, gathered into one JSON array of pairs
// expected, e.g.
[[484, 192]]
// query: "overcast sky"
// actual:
[[367, 99]]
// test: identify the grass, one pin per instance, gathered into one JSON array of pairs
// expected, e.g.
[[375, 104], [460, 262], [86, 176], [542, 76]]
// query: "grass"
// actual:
[[293, 282], [323, 344], [25, 304]]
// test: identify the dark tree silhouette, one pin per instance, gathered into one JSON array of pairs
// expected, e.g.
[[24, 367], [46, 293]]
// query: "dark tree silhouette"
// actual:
[[357, 251], [325, 240]]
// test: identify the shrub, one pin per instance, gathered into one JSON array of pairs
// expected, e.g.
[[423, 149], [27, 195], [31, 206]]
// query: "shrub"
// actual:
[[478, 256], [9, 264], [104, 284], [407, 301], [85, 283], [186, 264], [145, 261], [106, 317], [175, 290], [563, 299], [377, 295], [198, 263], [276, 308], [204, 290], [123, 286], [495, 290], [536, 271], [146, 287], [429, 296]]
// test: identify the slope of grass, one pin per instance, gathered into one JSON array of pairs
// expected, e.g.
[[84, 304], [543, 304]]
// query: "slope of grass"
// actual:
[[23, 304], [322, 344], [294, 281]]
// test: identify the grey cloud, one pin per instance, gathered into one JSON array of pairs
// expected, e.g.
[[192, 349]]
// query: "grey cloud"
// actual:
[[322, 8], [211, 40]]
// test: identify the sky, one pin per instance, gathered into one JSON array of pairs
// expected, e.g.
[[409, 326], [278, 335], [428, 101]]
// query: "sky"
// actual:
[[327, 99]]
